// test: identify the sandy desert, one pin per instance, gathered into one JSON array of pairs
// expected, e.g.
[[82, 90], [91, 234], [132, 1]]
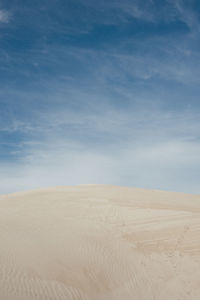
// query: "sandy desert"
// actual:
[[99, 242]]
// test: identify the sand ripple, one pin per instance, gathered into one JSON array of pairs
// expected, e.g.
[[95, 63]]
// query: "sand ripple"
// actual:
[[99, 243]]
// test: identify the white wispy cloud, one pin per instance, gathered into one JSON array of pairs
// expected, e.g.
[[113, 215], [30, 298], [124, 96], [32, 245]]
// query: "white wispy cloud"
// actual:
[[137, 10], [144, 148], [167, 165], [4, 16], [187, 15]]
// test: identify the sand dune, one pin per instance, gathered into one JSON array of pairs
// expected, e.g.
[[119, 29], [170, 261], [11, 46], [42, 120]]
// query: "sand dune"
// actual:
[[97, 242]]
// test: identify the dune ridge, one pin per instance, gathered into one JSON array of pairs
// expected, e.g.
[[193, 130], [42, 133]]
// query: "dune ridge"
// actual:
[[99, 242]]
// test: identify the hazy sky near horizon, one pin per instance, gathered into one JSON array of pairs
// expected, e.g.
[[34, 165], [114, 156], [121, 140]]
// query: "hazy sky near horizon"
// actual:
[[100, 92]]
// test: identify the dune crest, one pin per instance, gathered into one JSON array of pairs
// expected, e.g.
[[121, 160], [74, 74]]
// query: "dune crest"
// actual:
[[99, 242]]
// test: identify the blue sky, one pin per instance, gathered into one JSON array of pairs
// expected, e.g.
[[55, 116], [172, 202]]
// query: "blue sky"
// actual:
[[100, 92]]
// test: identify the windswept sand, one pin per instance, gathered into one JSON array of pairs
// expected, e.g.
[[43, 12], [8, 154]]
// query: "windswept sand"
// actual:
[[99, 242]]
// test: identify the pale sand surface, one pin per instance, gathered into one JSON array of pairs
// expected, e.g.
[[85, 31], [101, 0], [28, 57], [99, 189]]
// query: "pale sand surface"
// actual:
[[99, 242]]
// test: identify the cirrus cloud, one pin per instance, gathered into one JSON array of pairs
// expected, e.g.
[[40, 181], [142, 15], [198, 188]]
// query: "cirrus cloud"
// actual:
[[4, 16]]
